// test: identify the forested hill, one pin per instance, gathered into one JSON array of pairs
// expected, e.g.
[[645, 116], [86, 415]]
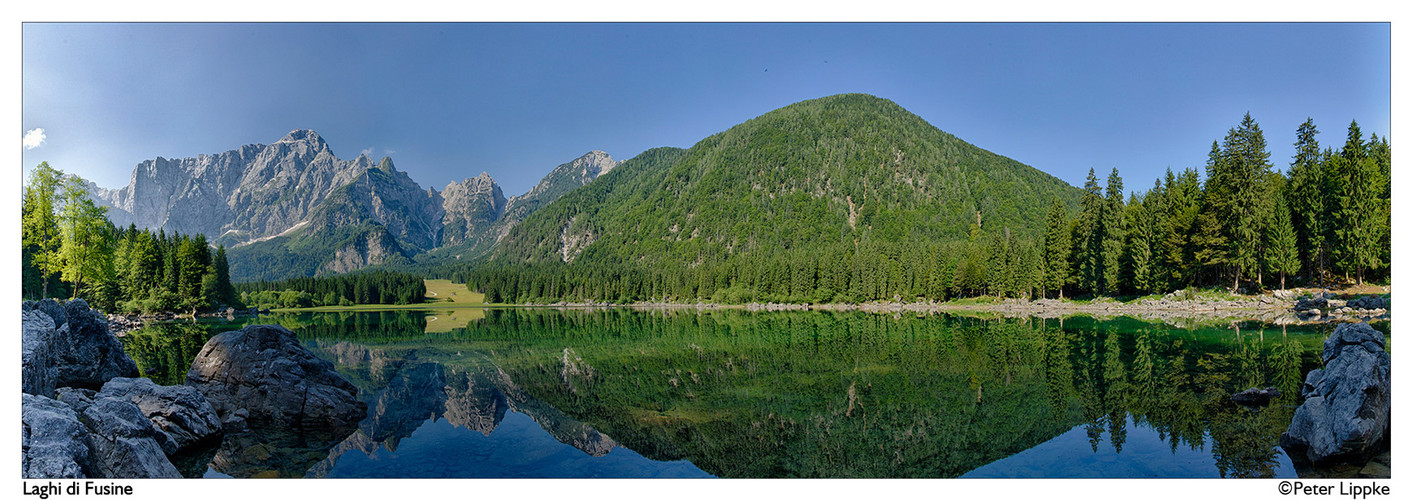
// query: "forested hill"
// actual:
[[848, 168]]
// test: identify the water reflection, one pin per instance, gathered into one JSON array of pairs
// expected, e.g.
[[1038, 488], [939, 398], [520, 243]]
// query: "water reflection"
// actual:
[[808, 394]]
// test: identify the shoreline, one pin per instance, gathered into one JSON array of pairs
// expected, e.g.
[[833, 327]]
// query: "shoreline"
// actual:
[[1279, 308]]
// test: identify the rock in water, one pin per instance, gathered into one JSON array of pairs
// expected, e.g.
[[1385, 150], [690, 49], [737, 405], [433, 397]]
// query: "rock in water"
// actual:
[[1255, 397], [1346, 412], [180, 412], [55, 442], [264, 370]]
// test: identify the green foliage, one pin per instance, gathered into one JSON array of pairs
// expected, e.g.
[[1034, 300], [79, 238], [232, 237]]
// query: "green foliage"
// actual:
[[40, 230], [1056, 249], [369, 287], [846, 196]]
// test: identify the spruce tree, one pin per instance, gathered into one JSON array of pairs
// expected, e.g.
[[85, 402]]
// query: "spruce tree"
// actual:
[[1282, 252], [1056, 248], [1088, 237], [1307, 199], [1113, 234]]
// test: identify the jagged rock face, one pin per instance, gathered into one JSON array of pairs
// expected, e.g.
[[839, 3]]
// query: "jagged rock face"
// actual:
[[1346, 414], [374, 247], [388, 198], [180, 412], [55, 442], [263, 369], [73, 349], [560, 181], [125, 443], [471, 208], [37, 356], [237, 196]]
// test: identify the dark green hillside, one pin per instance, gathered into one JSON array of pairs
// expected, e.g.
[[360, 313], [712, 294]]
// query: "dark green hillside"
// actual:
[[820, 200], [837, 169]]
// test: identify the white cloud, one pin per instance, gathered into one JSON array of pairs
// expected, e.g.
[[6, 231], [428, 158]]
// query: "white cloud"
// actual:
[[368, 152], [34, 138], [388, 152]]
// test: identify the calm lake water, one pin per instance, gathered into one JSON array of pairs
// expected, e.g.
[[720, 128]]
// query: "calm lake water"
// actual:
[[620, 393]]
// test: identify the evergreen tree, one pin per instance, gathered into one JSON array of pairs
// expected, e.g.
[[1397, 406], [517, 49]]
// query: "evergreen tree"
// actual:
[[1353, 178], [1308, 192], [1113, 231], [1282, 252], [1056, 248], [1248, 161], [1138, 248], [1088, 237]]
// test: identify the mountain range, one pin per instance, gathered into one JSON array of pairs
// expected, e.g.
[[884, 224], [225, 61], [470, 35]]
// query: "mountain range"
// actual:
[[293, 208], [844, 168]]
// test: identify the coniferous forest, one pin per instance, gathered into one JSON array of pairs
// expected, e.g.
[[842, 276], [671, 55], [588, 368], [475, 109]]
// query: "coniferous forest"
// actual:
[[71, 250], [1238, 224]]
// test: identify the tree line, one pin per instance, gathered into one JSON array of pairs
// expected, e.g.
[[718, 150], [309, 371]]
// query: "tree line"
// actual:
[[70, 249], [1244, 226], [371, 287]]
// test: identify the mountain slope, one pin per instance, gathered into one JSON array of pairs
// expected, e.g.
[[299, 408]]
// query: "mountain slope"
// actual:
[[478, 217], [840, 170], [238, 196]]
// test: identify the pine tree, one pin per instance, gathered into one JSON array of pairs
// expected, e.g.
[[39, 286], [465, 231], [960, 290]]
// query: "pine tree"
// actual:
[[1282, 252], [1113, 233], [1056, 248], [1352, 177], [1307, 199], [1088, 237], [1138, 248]]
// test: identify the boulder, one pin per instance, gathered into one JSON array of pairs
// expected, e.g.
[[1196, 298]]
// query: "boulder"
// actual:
[[1315, 302], [180, 412], [264, 370], [55, 443], [82, 351], [1346, 412], [38, 361], [125, 444], [1255, 397]]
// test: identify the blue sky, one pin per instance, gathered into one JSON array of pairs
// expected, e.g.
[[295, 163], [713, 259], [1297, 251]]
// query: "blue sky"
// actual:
[[449, 101]]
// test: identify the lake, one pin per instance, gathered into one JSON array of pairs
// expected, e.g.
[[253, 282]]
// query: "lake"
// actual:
[[737, 394]]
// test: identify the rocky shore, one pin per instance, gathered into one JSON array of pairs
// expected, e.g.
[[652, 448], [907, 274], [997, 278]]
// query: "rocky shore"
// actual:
[[121, 324], [86, 414], [1279, 307]]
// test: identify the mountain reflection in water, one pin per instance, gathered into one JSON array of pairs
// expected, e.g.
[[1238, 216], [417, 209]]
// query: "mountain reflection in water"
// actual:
[[538, 393]]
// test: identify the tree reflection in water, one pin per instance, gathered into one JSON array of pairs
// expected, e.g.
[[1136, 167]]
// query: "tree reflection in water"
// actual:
[[810, 394]]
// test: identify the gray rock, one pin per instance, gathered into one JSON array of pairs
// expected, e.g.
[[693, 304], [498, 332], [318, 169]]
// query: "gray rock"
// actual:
[[55, 443], [264, 370], [1346, 415], [125, 444], [180, 412], [78, 399], [1255, 397], [1315, 302], [82, 351], [471, 207], [38, 361], [1351, 334]]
